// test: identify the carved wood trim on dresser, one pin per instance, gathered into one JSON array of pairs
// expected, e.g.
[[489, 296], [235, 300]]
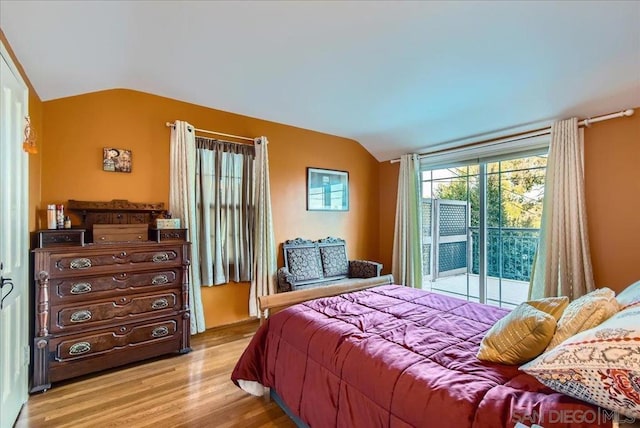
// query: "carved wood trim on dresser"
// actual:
[[117, 211], [105, 305]]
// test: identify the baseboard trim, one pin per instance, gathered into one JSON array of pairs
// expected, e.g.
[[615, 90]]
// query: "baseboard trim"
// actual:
[[233, 324]]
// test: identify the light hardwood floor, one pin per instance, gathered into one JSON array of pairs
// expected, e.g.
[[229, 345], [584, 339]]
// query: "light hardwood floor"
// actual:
[[192, 390]]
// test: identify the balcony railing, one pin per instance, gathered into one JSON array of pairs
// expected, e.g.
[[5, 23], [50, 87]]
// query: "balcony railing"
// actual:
[[510, 252]]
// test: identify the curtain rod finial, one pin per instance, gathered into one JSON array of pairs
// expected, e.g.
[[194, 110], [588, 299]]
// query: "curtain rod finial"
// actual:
[[628, 112]]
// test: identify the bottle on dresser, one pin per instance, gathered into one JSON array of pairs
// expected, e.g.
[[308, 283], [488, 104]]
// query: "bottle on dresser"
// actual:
[[60, 216], [52, 221]]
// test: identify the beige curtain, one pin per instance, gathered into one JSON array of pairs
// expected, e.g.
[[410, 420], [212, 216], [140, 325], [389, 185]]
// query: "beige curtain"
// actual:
[[264, 266], [224, 198], [563, 264], [407, 241], [182, 203]]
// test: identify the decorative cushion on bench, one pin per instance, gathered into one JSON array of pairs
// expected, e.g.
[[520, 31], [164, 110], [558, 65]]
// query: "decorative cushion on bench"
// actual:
[[304, 263], [364, 269], [316, 263], [334, 258]]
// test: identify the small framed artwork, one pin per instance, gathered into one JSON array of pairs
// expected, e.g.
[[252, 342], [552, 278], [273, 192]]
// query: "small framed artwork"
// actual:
[[327, 190], [116, 160]]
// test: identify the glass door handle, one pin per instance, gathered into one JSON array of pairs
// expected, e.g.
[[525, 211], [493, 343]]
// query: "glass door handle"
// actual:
[[5, 282]]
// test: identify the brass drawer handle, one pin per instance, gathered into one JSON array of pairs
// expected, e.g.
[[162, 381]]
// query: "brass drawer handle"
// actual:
[[160, 279], [82, 263], [81, 288], [159, 304], [160, 331], [160, 257], [81, 316], [80, 348]]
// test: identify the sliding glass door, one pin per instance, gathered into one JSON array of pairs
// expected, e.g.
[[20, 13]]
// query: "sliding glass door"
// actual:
[[481, 222]]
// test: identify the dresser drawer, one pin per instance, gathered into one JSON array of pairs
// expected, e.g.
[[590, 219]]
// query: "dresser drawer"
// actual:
[[77, 354], [59, 238], [110, 259], [120, 232], [164, 235], [116, 310], [94, 218], [95, 287], [119, 237]]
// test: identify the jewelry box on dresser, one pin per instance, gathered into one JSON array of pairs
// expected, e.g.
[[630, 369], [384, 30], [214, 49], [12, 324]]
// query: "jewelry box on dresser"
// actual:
[[101, 305]]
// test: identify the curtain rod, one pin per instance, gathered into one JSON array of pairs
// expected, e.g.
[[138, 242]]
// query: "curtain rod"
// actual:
[[171, 125], [522, 136]]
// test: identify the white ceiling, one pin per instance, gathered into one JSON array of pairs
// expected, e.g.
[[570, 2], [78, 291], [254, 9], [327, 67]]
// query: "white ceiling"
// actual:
[[396, 76]]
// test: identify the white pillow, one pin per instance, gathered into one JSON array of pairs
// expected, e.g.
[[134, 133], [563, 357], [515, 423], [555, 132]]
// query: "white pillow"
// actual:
[[630, 296]]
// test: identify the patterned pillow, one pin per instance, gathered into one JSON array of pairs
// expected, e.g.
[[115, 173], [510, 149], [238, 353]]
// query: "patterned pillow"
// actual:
[[518, 337], [304, 263], [630, 296], [584, 313], [600, 365], [334, 261]]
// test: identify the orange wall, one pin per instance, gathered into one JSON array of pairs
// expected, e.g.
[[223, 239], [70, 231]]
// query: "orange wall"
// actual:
[[35, 114], [612, 181], [387, 205], [612, 160], [78, 127]]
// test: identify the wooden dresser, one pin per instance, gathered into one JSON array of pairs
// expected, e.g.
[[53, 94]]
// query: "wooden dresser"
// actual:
[[104, 305]]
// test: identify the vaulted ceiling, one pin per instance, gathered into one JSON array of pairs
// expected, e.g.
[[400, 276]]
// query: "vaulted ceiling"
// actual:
[[396, 76]]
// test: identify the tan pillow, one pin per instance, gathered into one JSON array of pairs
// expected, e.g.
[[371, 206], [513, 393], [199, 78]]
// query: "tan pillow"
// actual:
[[554, 306], [519, 337], [584, 313]]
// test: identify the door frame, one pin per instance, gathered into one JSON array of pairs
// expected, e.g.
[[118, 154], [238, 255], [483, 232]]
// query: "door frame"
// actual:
[[22, 280]]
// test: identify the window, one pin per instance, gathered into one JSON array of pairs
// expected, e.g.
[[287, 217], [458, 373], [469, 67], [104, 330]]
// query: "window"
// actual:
[[224, 199], [481, 222]]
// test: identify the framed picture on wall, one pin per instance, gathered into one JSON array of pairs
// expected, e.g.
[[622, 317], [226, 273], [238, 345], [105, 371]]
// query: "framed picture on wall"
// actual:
[[116, 160], [327, 190]]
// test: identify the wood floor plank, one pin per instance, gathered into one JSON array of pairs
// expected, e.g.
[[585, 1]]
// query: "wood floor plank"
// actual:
[[192, 390]]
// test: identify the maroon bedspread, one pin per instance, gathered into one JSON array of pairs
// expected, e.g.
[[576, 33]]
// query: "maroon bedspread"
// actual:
[[393, 356]]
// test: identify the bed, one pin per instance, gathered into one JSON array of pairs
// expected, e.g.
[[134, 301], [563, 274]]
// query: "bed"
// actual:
[[392, 356]]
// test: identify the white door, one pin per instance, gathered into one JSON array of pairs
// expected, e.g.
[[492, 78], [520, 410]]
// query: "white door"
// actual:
[[14, 243]]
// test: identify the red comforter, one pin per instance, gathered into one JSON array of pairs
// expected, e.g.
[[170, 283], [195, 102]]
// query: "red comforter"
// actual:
[[393, 356]]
